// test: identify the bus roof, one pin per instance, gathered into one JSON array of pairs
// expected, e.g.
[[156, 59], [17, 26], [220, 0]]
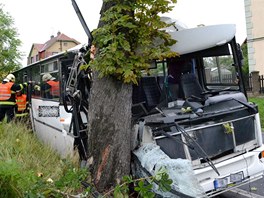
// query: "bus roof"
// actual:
[[201, 38]]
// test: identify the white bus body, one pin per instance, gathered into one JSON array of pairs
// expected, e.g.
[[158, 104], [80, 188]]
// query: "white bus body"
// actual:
[[207, 135], [52, 127], [49, 119]]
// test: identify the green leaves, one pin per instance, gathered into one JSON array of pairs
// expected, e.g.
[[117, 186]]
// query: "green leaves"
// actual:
[[143, 186], [9, 54], [127, 39], [163, 180], [144, 190]]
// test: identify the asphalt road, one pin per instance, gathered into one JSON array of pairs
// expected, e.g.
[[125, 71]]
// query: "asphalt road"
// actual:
[[250, 190], [256, 187]]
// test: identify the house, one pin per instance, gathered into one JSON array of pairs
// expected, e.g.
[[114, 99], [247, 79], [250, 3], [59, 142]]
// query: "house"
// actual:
[[255, 34], [56, 44]]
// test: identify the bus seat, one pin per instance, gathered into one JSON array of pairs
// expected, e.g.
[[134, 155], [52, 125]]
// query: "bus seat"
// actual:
[[191, 86], [138, 101], [160, 80], [138, 95], [228, 96], [152, 91]]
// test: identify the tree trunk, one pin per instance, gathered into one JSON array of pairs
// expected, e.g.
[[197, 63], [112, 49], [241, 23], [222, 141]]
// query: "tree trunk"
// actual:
[[109, 131], [109, 128]]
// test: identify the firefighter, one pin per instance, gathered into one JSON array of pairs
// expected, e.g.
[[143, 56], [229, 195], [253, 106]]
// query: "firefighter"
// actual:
[[8, 90], [22, 106], [50, 88]]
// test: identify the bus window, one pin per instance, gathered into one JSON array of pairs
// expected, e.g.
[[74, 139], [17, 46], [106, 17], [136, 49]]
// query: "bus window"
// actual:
[[49, 67], [220, 72], [36, 79], [50, 86]]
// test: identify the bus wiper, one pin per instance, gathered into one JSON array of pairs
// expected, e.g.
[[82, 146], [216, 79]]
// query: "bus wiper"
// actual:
[[160, 111], [160, 131], [203, 154], [189, 140]]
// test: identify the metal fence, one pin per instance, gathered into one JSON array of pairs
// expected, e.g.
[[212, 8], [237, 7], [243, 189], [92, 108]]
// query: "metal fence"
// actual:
[[261, 80], [225, 78], [249, 83]]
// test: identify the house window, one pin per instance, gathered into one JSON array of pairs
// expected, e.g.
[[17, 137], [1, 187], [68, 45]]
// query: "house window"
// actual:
[[31, 59], [65, 44], [37, 57]]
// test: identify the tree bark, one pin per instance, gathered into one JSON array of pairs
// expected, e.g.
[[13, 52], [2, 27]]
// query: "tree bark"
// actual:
[[109, 131], [109, 128]]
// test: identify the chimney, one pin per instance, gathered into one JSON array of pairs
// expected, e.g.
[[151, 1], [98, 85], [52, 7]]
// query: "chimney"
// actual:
[[58, 33], [52, 36]]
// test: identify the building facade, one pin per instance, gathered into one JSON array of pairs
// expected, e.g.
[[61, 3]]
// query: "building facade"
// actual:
[[254, 10], [56, 44]]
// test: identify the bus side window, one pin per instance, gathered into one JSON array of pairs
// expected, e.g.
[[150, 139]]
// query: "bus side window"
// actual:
[[35, 90], [35, 78], [50, 86]]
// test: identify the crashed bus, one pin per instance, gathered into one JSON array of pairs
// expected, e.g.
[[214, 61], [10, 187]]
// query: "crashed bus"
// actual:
[[60, 121], [52, 118], [192, 116]]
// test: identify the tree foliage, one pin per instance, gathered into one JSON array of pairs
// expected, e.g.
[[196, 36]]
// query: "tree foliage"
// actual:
[[245, 67], [131, 38], [128, 37], [9, 53]]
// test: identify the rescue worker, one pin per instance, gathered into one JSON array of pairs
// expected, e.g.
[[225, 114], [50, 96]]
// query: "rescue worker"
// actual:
[[22, 106], [8, 89], [50, 88]]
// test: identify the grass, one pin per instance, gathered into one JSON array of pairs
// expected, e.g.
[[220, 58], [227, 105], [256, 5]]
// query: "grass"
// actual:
[[30, 169], [260, 102]]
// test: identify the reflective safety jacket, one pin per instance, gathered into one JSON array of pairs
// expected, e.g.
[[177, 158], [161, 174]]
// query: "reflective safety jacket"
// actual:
[[55, 88], [5, 90], [8, 93], [21, 102]]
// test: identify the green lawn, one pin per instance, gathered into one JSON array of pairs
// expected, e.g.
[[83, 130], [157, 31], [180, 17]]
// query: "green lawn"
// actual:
[[30, 169], [260, 102]]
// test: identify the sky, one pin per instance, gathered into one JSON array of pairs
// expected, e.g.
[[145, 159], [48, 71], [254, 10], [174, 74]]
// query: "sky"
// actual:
[[37, 20]]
